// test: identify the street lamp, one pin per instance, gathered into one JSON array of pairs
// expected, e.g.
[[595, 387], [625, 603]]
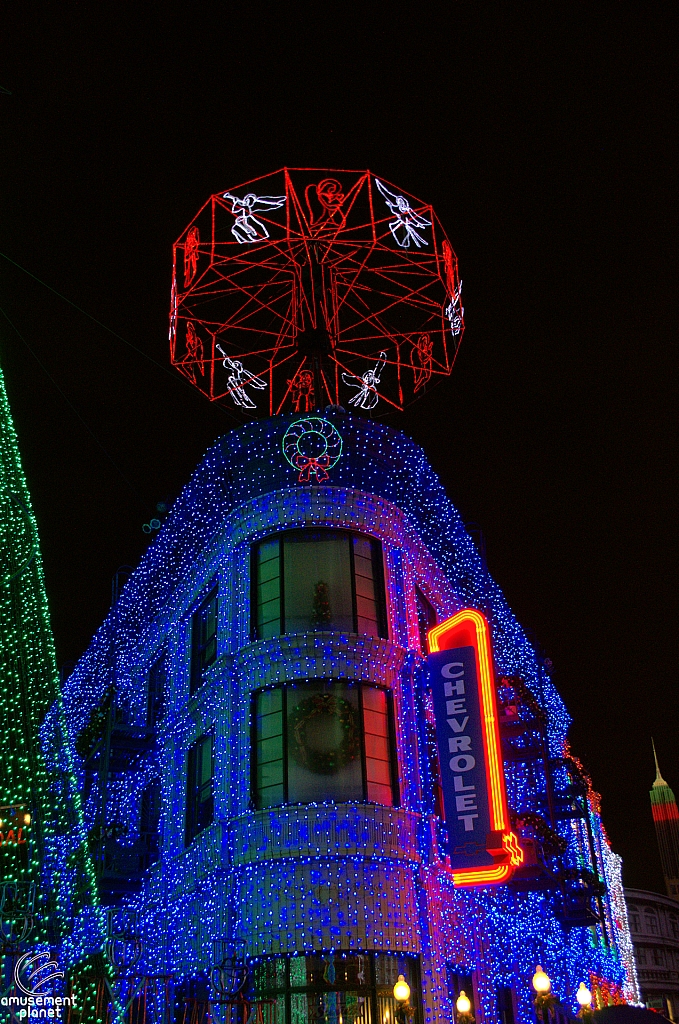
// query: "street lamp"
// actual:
[[401, 990], [401, 995], [463, 1004], [544, 1000], [584, 998], [541, 983], [464, 1009]]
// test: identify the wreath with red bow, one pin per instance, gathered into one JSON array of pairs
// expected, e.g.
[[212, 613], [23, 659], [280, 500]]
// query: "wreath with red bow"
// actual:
[[312, 445], [300, 727]]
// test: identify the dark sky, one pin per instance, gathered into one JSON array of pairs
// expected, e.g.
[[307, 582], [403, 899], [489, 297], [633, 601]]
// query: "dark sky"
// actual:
[[544, 138]]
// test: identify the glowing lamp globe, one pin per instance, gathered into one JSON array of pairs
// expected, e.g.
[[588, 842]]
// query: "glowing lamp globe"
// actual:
[[583, 996], [541, 981], [463, 1004], [401, 990]]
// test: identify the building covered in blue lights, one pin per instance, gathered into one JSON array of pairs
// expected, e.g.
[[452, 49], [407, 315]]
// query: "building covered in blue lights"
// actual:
[[254, 729]]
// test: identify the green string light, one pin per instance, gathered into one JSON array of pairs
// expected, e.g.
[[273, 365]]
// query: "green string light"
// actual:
[[43, 799]]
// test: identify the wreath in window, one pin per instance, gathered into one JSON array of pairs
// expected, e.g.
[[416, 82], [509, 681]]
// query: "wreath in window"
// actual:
[[300, 724]]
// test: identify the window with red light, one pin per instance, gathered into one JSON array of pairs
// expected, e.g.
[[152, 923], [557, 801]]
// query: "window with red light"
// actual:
[[426, 618]]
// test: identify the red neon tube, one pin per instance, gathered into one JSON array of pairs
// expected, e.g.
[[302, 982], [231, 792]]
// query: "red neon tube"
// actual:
[[469, 628]]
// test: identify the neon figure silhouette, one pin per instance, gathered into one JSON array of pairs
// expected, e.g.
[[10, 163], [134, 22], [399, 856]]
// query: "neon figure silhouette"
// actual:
[[448, 264], [249, 228], [302, 388], [191, 255], [194, 352], [292, 259], [406, 220], [455, 311], [330, 197], [366, 397], [239, 379], [421, 359]]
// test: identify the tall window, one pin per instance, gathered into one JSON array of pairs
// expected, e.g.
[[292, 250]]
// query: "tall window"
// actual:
[[199, 795], [306, 580], [155, 694], [505, 1004], [149, 822], [203, 639], [460, 981], [323, 740], [651, 922], [350, 987], [426, 617], [433, 755]]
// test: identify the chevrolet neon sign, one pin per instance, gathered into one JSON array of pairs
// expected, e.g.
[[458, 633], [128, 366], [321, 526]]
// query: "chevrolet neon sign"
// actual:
[[482, 848]]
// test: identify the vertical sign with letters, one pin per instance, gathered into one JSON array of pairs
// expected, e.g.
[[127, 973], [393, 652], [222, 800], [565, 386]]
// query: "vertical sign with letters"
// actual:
[[482, 850], [459, 738]]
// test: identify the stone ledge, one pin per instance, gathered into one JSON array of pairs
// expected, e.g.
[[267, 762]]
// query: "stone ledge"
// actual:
[[292, 656], [325, 830]]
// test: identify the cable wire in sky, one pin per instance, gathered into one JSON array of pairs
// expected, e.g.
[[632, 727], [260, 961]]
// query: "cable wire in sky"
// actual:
[[72, 407], [139, 351]]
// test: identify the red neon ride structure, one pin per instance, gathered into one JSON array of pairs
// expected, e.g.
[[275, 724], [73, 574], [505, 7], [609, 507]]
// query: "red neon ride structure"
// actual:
[[307, 288]]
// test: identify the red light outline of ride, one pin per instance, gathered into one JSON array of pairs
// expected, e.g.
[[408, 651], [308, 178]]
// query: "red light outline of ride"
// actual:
[[404, 276]]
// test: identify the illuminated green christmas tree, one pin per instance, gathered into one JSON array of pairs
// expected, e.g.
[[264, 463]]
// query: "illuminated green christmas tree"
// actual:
[[38, 795], [28, 677]]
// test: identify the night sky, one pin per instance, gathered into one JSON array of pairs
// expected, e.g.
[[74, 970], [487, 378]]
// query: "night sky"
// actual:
[[543, 136]]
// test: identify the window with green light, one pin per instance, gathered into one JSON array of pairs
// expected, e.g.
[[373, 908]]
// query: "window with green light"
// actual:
[[337, 988], [199, 787], [203, 639], [308, 580], [323, 739]]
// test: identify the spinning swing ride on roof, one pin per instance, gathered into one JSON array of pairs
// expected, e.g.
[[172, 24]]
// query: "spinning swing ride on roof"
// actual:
[[306, 288]]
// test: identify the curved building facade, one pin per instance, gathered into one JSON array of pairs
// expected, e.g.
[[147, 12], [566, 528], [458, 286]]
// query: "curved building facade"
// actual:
[[654, 926], [258, 759]]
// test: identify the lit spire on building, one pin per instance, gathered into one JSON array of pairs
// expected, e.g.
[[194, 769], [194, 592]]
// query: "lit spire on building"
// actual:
[[666, 818]]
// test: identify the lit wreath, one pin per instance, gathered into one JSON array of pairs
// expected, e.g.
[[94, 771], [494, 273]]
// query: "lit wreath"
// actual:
[[324, 762], [313, 446]]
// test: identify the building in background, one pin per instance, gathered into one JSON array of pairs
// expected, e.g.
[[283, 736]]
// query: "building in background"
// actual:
[[654, 919], [654, 926], [666, 821], [266, 789]]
